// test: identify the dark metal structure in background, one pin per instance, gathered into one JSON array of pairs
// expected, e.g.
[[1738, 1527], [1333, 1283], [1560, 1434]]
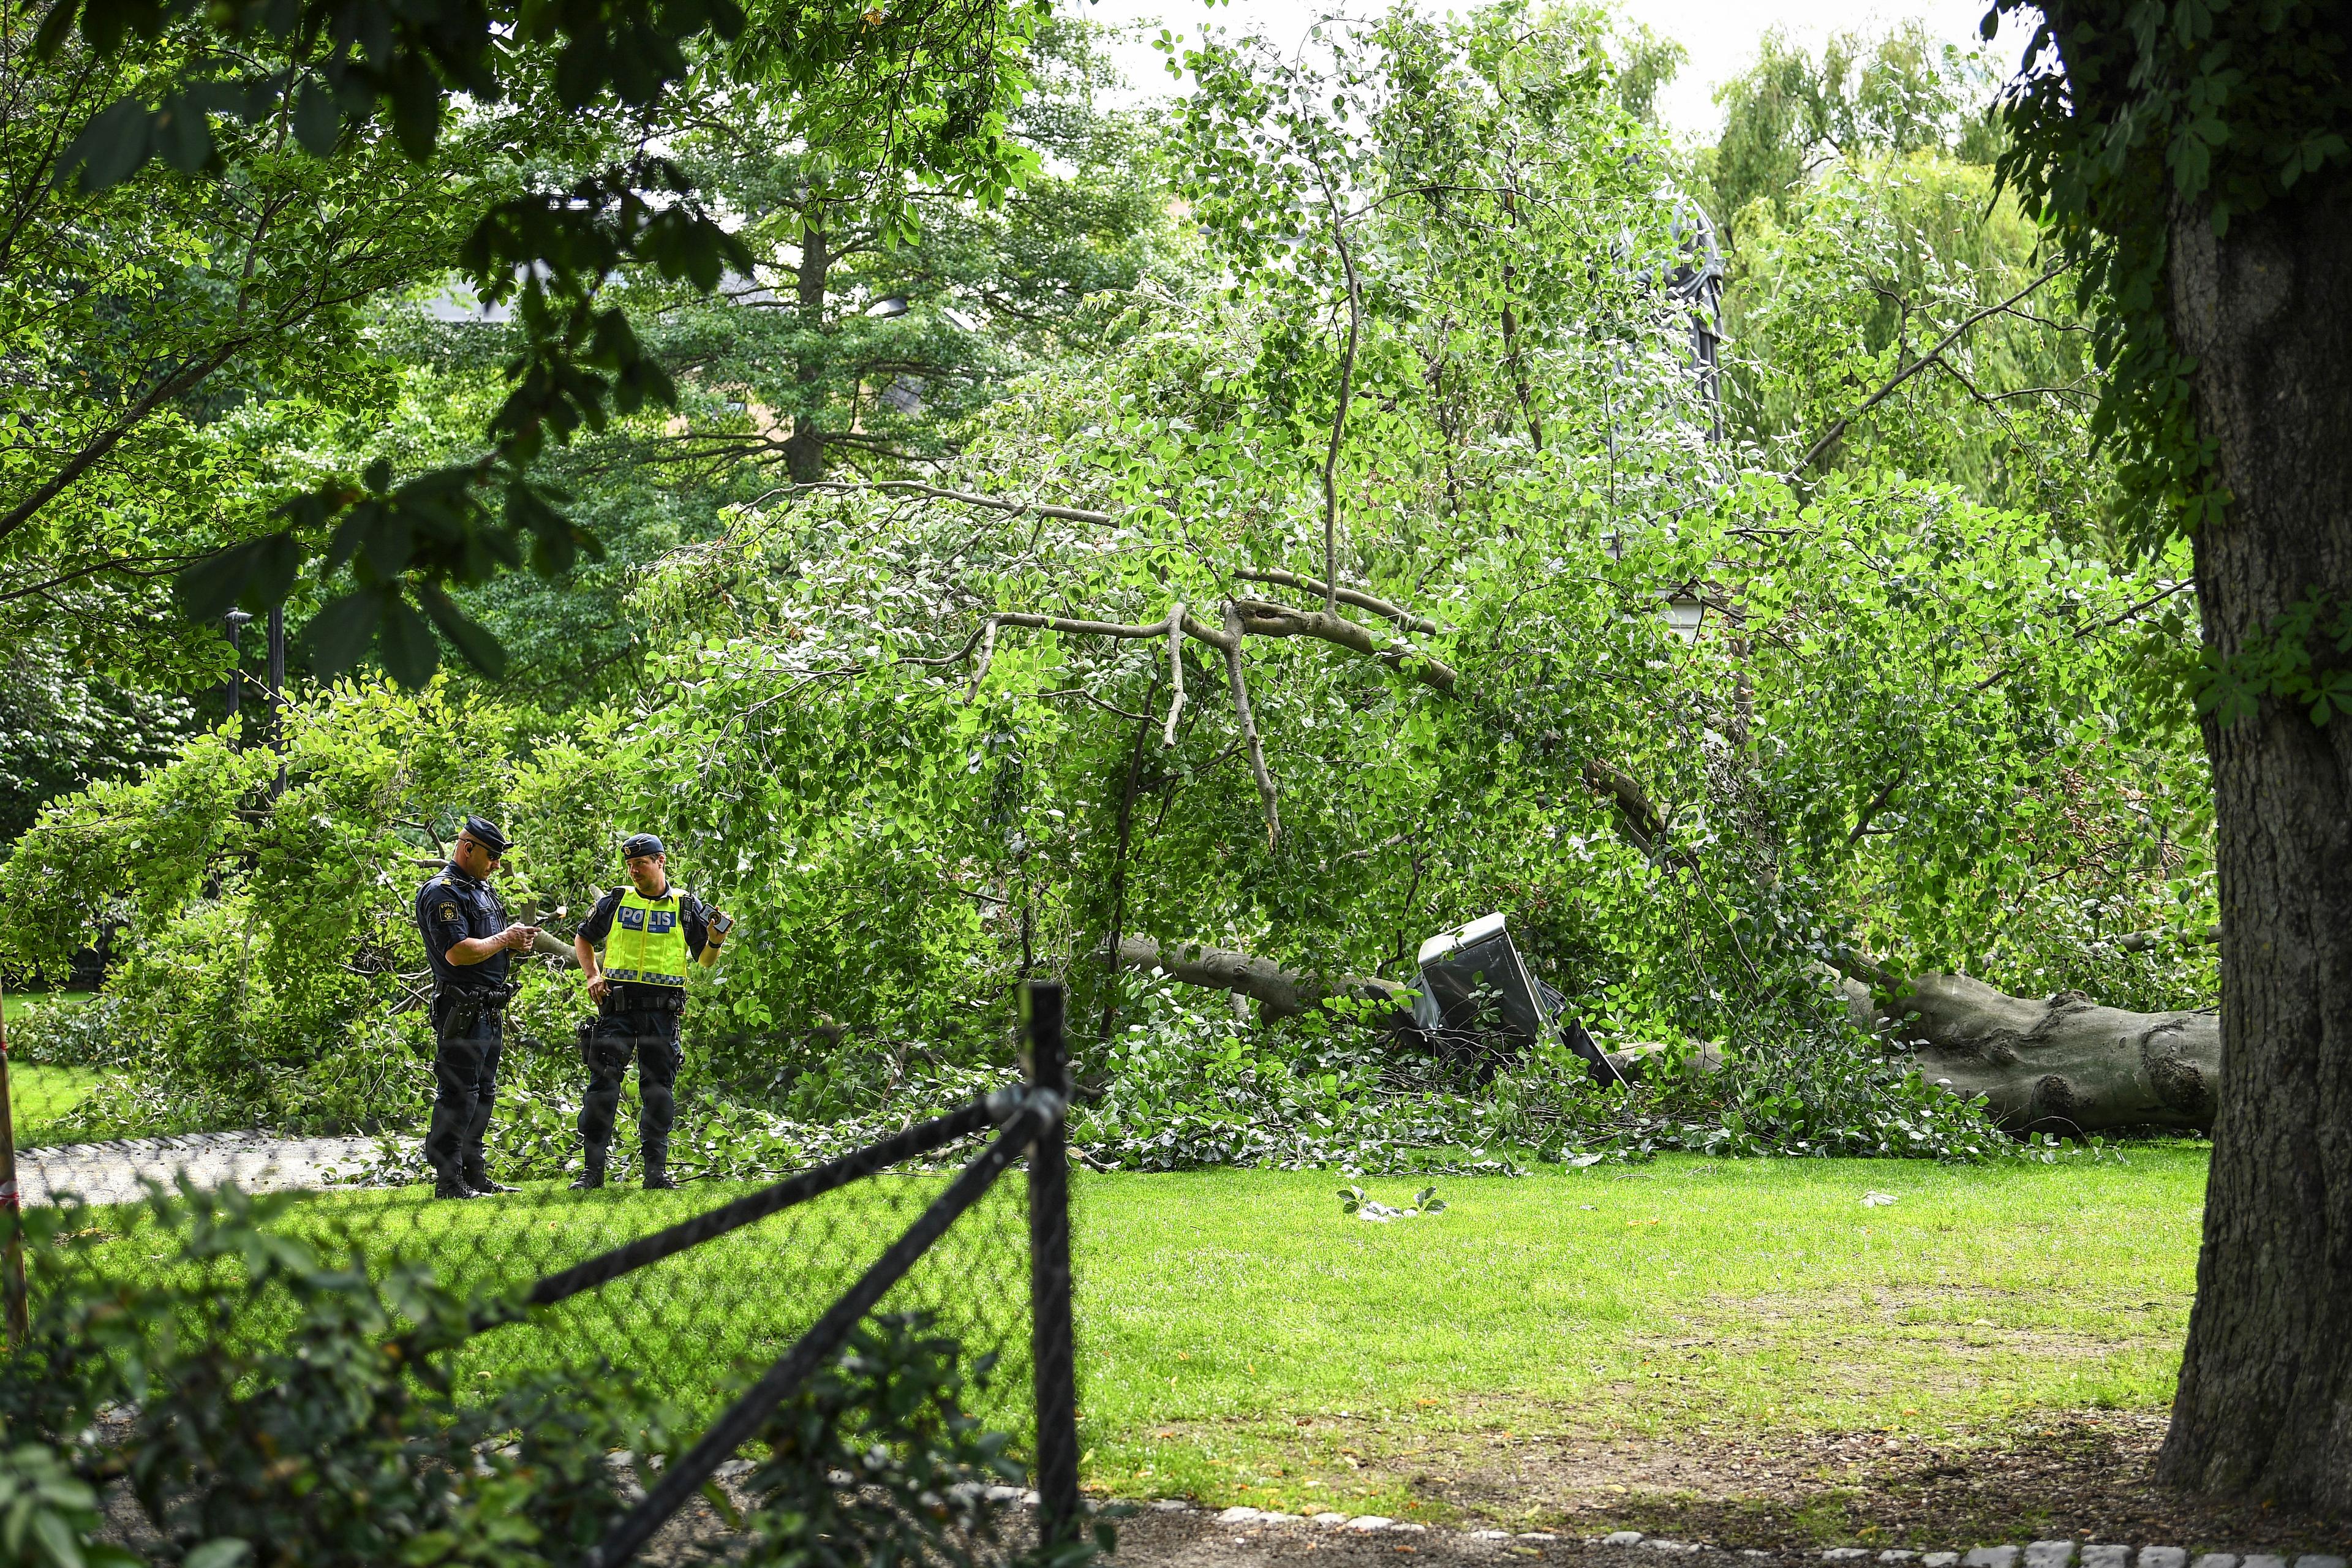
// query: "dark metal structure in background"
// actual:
[[275, 690], [1696, 285]]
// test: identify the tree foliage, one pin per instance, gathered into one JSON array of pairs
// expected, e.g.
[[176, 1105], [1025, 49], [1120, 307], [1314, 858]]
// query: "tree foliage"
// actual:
[[1394, 474], [308, 80], [2220, 109]]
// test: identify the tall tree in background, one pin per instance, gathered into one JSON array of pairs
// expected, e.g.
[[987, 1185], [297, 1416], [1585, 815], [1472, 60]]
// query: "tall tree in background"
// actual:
[[2192, 156], [882, 309], [191, 84], [1789, 114]]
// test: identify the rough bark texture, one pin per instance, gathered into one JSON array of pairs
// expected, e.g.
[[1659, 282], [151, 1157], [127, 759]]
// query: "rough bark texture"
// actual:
[[2264, 1406], [2064, 1065], [804, 447], [1278, 992]]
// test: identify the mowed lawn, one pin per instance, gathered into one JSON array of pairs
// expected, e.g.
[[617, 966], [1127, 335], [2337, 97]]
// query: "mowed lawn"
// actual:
[[40, 1095], [1242, 1340]]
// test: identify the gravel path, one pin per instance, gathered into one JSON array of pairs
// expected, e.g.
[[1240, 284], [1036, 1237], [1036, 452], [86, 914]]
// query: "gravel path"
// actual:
[[257, 1162], [1168, 1534]]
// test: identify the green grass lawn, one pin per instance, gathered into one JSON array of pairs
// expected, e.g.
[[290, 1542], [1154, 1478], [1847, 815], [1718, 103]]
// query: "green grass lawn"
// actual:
[[38, 1096], [15, 1001], [687, 1328], [1242, 1341]]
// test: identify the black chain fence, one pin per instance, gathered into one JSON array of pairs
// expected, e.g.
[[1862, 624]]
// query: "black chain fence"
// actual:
[[868, 1360]]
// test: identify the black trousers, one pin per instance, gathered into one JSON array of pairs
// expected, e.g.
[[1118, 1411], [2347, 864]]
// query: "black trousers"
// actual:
[[465, 1089], [649, 1034]]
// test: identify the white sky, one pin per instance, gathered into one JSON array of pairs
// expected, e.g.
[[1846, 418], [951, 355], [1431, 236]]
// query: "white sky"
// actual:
[[1721, 35]]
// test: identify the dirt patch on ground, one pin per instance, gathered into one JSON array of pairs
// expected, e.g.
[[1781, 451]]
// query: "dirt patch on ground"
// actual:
[[2086, 1475]]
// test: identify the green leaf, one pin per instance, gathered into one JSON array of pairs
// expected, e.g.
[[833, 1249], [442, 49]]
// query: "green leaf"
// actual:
[[225, 1552], [58, 1540], [406, 644], [111, 149], [54, 29], [338, 635], [256, 573], [473, 640], [318, 122], [181, 132]]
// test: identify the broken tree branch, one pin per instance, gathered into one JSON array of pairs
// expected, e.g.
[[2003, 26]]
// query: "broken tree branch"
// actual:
[[1232, 648], [1262, 618], [1635, 814], [965, 498], [1249, 618], [987, 654], [1279, 993], [1361, 600], [1175, 672]]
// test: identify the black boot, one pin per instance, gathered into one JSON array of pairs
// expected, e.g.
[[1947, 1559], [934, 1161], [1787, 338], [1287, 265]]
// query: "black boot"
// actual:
[[442, 1138], [477, 1176], [657, 1176], [592, 1177]]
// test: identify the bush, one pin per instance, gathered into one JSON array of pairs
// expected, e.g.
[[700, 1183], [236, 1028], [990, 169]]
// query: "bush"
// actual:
[[876, 1461], [255, 1391], [268, 1404]]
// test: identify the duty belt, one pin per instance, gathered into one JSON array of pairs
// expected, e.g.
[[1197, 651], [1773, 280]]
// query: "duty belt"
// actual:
[[466, 1007]]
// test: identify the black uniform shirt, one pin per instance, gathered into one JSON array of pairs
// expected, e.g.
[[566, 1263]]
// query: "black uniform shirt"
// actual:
[[449, 909], [693, 918]]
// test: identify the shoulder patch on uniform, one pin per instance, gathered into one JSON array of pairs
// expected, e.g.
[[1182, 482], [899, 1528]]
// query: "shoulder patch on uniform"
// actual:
[[448, 912]]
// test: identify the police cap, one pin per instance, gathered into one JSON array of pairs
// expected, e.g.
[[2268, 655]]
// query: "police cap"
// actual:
[[637, 844], [485, 835]]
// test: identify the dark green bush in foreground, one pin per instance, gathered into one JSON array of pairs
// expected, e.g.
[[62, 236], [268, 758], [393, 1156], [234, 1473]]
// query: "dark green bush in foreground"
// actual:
[[266, 1404]]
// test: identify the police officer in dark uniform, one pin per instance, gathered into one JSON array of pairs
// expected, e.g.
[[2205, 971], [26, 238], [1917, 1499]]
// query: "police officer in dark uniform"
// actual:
[[469, 939], [651, 932]]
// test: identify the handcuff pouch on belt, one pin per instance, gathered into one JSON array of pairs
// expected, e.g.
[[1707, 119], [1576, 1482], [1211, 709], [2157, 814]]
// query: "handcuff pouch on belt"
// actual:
[[466, 1007]]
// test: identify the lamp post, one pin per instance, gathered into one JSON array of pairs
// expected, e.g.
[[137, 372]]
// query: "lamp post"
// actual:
[[278, 695], [235, 623]]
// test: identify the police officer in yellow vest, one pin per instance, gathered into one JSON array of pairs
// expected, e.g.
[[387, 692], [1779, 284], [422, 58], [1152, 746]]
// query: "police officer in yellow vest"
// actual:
[[650, 933]]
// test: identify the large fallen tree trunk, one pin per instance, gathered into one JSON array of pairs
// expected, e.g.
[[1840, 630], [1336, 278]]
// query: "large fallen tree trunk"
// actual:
[[2063, 1065]]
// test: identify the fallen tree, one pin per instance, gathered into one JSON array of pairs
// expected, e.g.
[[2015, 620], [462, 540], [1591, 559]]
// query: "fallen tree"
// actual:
[[2064, 1064], [1278, 992]]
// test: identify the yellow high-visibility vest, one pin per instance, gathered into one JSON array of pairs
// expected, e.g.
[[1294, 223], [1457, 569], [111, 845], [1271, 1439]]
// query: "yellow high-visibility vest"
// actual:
[[647, 945]]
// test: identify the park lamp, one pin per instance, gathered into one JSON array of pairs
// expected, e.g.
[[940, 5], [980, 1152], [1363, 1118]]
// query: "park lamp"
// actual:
[[1682, 609], [233, 622]]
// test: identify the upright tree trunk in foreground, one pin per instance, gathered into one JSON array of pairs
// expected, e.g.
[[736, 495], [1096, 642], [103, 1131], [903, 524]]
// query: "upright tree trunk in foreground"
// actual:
[[2264, 1407]]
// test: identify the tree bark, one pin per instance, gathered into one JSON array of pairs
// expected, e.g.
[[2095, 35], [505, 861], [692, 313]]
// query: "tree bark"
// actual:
[[1119, 865], [2066, 1064], [804, 447], [1278, 992], [2264, 1406]]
